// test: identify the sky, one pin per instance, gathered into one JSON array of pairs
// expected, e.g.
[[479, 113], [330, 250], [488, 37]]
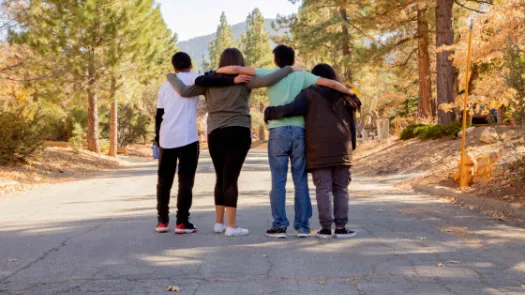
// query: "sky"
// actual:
[[193, 18]]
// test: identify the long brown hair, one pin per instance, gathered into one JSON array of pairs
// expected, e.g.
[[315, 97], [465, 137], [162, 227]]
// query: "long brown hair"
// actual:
[[231, 57]]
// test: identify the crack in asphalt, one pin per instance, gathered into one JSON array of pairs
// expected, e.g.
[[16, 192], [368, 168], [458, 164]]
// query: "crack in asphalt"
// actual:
[[54, 249], [270, 265]]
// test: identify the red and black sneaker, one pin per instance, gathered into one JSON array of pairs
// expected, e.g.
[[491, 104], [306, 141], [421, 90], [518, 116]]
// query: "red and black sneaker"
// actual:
[[162, 227], [185, 228]]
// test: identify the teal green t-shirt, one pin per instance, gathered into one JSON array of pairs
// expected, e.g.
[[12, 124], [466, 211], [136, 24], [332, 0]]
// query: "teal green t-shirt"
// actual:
[[285, 91]]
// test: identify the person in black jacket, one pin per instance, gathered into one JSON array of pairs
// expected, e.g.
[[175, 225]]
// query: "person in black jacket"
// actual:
[[330, 140]]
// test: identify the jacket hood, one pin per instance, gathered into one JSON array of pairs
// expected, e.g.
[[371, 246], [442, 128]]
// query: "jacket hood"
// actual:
[[325, 91]]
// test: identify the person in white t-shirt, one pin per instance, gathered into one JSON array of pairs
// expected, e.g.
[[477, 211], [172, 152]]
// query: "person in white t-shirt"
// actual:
[[176, 135]]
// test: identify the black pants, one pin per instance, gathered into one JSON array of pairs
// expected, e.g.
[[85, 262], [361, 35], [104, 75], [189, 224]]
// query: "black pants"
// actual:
[[228, 149], [188, 158]]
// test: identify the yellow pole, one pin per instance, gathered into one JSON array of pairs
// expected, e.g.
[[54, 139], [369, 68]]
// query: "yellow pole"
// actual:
[[463, 181]]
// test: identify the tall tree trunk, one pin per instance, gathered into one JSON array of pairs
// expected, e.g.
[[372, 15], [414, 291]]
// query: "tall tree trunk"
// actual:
[[92, 134], [425, 83], [113, 122], [346, 42], [445, 69]]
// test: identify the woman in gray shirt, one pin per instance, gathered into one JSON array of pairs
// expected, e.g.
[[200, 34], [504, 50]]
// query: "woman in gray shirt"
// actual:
[[229, 135]]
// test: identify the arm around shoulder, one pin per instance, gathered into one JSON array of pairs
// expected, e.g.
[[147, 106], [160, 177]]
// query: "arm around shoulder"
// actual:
[[298, 107], [236, 70], [215, 81], [276, 76], [182, 89], [334, 85]]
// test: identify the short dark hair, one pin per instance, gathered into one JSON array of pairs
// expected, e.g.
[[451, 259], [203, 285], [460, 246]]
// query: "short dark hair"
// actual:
[[284, 56], [181, 61], [231, 57]]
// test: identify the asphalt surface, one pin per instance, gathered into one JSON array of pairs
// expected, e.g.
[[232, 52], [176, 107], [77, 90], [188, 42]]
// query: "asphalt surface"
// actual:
[[96, 236]]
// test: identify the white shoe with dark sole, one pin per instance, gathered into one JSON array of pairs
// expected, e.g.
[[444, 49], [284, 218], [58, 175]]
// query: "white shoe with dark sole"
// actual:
[[324, 234], [344, 234]]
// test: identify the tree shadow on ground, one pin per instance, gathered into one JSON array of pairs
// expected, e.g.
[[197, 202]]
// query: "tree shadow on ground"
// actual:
[[407, 247]]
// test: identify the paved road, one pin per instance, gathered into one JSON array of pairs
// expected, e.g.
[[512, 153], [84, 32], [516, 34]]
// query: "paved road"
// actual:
[[97, 236]]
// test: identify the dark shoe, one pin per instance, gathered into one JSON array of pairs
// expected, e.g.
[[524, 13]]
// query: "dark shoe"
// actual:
[[185, 228], [279, 233], [344, 233], [324, 234]]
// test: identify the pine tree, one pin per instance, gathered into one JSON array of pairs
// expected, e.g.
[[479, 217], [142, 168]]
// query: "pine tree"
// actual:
[[255, 42], [224, 39], [140, 41], [93, 51], [408, 25], [332, 32], [255, 45], [76, 44]]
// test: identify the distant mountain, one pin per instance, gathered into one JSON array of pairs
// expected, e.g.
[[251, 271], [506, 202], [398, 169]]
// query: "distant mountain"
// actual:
[[198, 47]]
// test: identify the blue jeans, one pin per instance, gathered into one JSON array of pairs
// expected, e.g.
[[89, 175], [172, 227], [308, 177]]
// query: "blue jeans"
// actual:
[[289, 143]]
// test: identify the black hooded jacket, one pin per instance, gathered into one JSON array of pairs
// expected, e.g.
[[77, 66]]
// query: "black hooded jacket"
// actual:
[[330, 125]]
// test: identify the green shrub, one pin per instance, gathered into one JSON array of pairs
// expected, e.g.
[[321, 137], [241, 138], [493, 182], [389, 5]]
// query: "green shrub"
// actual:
[[422, 131], [133, 125], [104, 146], [431, 131], [22, 132], [452, 129], [79, 137], [408, 132]]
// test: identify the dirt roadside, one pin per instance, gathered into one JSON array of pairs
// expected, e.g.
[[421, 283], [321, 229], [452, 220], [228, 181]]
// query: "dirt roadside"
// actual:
[[436, 161]]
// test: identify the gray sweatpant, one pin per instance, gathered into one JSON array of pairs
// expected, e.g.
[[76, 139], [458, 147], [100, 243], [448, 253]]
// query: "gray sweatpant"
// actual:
[[332, 180]]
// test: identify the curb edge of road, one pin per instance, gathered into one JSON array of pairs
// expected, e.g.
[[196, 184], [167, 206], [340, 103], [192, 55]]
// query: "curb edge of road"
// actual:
[[474, 202]]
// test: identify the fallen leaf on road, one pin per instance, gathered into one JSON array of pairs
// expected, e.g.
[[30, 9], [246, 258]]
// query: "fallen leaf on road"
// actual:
[[440, 265], [422, 239], [12, 260], [454, 262], [173, 289], [321, 283]]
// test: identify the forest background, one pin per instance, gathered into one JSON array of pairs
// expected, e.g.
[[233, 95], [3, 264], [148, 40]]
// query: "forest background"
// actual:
[[88, 71]]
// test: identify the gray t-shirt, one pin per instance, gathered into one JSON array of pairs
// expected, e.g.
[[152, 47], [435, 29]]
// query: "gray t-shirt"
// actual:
[[228, 106]]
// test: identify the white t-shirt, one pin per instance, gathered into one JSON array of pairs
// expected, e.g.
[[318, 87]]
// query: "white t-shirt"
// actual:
[[179, 123]]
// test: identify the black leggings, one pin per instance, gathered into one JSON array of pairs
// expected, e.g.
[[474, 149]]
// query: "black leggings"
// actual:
[[228, 149]]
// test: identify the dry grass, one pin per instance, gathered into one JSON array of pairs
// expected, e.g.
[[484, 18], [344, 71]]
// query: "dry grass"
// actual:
[[53, 165], [437, 159]]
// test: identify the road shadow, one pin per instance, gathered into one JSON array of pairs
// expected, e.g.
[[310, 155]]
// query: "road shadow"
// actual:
[[414, 247]]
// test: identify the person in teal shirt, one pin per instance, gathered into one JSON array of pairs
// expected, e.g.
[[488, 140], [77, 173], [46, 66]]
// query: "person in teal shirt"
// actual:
[[287, 143], [285, 92]]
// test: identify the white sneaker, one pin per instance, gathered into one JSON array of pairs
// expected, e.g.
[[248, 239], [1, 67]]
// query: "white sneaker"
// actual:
[[236, 232], [219, 228]]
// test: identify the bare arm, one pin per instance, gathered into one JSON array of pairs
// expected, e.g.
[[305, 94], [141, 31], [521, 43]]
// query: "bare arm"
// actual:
[[236, 70], [182, 89], [263, 81], [334, 85]]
